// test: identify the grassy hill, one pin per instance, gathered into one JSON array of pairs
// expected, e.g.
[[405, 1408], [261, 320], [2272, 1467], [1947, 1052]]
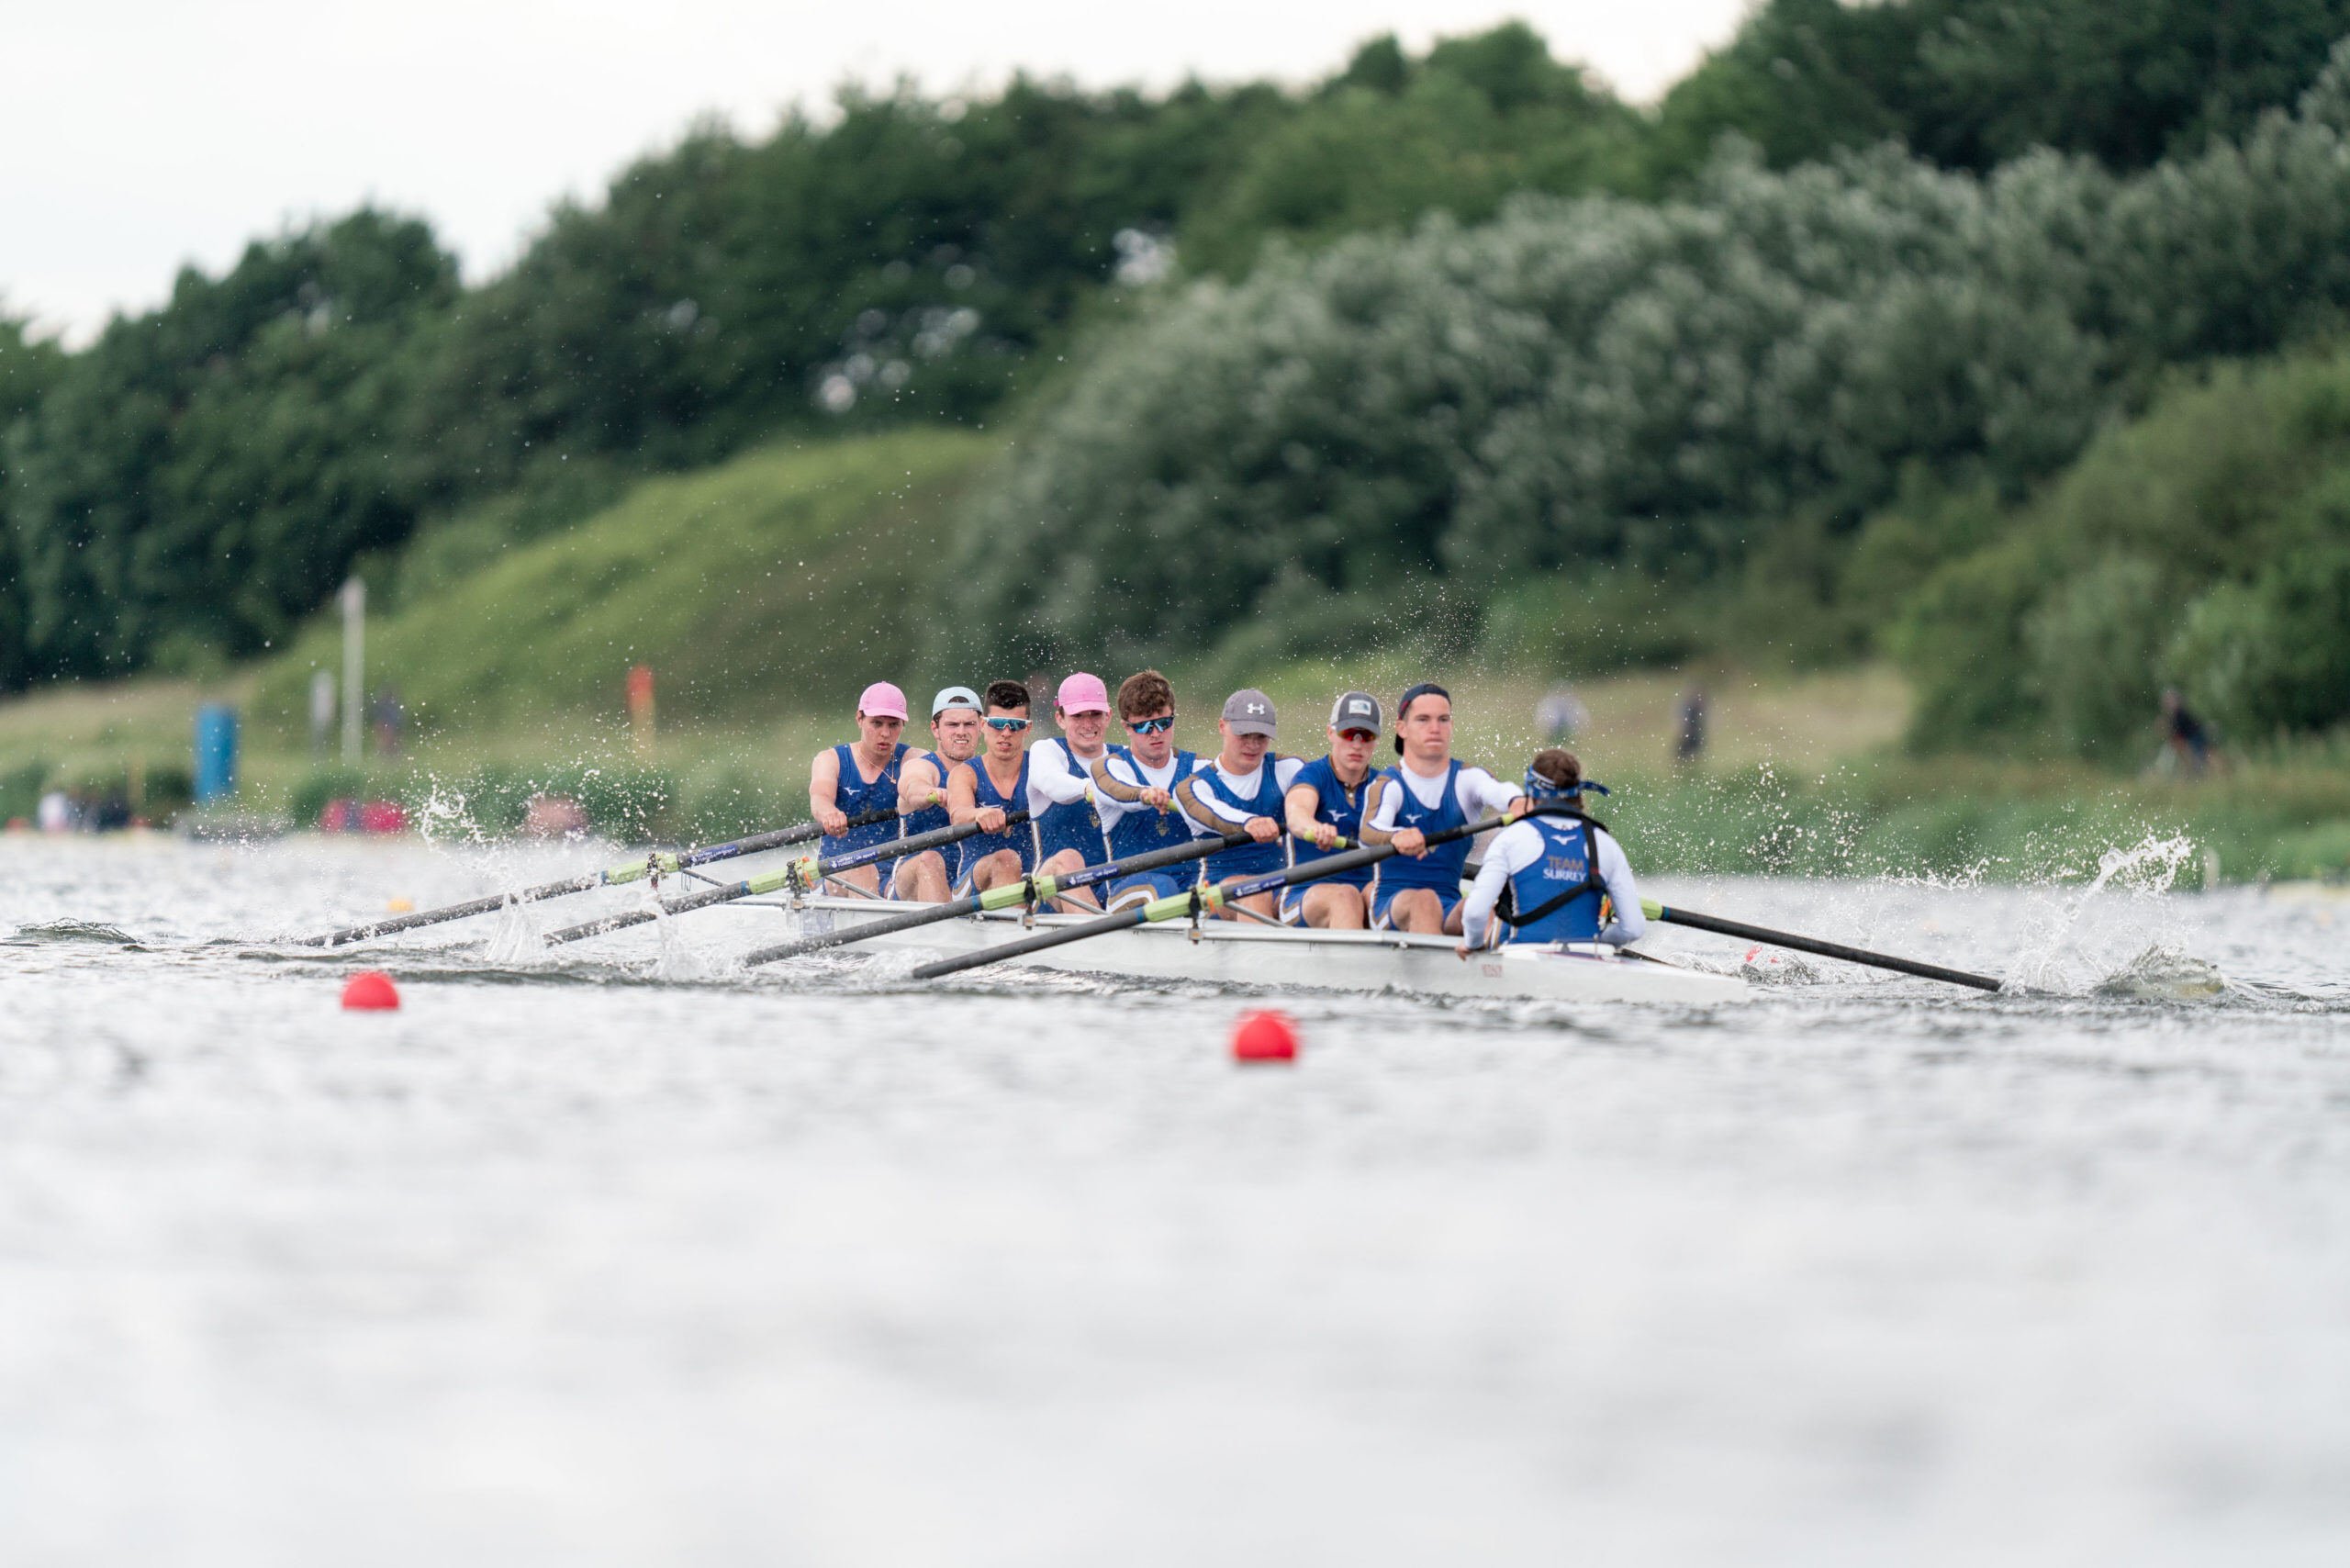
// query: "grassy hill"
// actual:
[[770, 585]]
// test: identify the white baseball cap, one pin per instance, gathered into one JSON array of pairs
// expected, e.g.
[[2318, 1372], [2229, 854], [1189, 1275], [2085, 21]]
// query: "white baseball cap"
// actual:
[[955, 697]]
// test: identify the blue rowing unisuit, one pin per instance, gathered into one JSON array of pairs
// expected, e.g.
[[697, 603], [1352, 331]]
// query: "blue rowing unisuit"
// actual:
[[855, 795], [1068, 825], [1568, 854], [1015, 837], [1441, 867], [1249, 859], [1341, 807], [1139, 833], [930, 818]]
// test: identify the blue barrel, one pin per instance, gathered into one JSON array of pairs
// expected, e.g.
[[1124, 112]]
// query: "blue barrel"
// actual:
[[215, 752]]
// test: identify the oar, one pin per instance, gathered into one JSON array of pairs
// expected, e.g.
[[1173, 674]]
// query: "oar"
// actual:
[[611, 876], [1813, 945], [1011, 895], [805, 872], [1198, 900]]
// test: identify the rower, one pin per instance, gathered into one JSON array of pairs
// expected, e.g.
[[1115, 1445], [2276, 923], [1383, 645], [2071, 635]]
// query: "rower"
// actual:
[[1243, 790], [1325, 814], [990, 786], [955, 731], [1428, 791], [1550, 874], [1061, 784], [856, 779], [1134, 790]]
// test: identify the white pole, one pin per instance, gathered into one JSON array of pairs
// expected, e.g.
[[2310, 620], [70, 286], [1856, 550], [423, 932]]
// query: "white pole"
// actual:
[[354, 654]]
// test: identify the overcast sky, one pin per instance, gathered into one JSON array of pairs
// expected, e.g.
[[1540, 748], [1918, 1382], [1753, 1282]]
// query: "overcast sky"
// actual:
[[136, 135]]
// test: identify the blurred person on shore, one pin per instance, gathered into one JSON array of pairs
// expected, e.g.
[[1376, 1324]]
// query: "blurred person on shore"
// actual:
[[2187, 739], [1560, 715], [1689, 728]]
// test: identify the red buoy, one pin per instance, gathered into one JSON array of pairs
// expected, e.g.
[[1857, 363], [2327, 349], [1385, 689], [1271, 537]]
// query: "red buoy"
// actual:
[[1264, 1037], [370, 991]]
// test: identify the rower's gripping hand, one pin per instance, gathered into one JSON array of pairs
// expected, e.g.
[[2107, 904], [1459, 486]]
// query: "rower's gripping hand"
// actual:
[[1325, 836], [1264, 830], [1157, 798], [990, 819], [833, 821], [1411, 841]]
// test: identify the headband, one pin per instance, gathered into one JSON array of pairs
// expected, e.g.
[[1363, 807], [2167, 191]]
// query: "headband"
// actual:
[[1536, 784]]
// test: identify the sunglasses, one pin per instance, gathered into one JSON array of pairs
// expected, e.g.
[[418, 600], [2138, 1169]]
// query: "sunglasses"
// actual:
[[1357, 735], [1012, 724], [1152, 726]]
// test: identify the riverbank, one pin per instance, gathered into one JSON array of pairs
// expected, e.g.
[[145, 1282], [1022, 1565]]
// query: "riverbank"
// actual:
[[1801, 776]]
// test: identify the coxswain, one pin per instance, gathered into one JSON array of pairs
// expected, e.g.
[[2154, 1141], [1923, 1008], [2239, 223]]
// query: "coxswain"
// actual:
[[1242, 790], [1550, 875], [1324, 808], [854, 780], [1428, 791], [922, 796], [988, 787], [1134, 790], [1061, 784]]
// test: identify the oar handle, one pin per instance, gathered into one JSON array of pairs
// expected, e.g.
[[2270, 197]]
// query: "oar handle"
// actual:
[[1028, 890], [1814, 945]]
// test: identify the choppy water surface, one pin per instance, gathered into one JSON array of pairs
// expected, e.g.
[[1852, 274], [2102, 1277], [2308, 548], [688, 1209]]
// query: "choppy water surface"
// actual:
[[639, 1259]]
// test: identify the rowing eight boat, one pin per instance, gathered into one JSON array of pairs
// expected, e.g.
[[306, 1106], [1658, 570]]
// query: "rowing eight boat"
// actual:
[[1244, 953]]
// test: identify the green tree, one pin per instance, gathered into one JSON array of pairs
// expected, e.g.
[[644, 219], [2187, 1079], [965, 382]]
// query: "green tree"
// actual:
[[200, 475]]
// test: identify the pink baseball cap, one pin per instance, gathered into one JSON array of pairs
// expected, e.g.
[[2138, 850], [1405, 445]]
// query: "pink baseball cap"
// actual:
[[882, 700], [1082, 693]]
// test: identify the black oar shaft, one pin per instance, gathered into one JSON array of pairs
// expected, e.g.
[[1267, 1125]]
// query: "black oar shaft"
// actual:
[[751, 845], [702, 899], [1825, 949], [931, 914], [1226, 891]]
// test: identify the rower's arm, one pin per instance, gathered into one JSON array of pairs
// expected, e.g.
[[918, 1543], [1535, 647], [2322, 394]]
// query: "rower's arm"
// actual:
[[1049, 776], [1106, 781], [920, 791], [963, 795], [1207, 814], [1299, 806], [823, 781], [1379, 810], [1631, 922]]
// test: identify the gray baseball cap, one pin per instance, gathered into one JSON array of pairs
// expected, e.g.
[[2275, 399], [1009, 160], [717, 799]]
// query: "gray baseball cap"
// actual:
[[1356, 710], [955, 697], [1250, 713]]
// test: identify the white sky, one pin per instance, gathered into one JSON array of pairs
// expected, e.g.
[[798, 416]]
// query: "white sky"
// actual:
[[136, 135]]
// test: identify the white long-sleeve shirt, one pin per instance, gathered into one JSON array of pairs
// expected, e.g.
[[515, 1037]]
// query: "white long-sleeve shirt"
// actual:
[[1056, 775], [1520, 845], [1479, 793]]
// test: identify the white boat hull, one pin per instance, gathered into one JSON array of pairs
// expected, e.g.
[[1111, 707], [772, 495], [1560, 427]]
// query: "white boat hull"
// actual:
[[1246, 954]]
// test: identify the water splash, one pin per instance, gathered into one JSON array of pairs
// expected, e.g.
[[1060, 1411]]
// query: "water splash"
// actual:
[[2160, 975], [673, 959], [517, 936], [2119, 923], [63, 931]]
